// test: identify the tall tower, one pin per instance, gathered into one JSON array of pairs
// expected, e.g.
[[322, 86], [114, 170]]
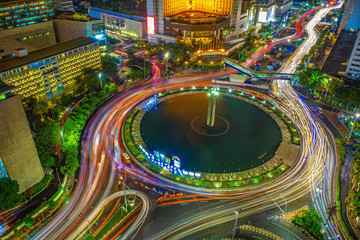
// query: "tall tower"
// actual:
[[19, 159]]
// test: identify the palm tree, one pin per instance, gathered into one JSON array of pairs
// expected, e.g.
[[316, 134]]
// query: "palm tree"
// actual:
[[40, 107]]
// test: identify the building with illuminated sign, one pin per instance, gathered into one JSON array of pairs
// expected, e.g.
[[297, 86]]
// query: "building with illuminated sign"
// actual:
[[66, 28], [26, 24], [120, 24], [47, 72], [18, 157], [266, 11], [203, 22]]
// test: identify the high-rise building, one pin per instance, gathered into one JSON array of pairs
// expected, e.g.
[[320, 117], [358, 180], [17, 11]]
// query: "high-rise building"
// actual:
[[203, 21], [353, 68], [47, 72], [26, 24], [338, 58], [18, 156]]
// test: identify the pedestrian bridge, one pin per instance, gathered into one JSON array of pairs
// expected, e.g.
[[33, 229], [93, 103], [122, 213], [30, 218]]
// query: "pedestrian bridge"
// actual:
[[263, 76]]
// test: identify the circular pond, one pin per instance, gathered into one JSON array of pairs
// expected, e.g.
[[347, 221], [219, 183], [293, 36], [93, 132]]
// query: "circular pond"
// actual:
[[243, 137]]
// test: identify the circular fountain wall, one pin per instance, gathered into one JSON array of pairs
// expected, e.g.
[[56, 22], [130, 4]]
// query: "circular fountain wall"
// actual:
[[243, 137]]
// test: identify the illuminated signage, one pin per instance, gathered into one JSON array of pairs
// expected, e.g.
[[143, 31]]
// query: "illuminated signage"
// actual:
[[151, 25], [262, 17], [99, 36]]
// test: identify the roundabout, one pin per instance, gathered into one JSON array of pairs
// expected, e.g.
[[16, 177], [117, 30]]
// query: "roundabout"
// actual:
[[249, 142]]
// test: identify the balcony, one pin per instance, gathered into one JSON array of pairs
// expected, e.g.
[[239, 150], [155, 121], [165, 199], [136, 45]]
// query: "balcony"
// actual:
[[197, 25]]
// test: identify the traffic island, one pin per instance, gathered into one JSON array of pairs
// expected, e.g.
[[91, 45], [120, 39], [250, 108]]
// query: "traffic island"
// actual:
[[284, 156]]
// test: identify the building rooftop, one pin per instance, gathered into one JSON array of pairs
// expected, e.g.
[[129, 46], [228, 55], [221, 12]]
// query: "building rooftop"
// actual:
[[7, 2], [14, 62], [136, 18], [337, 61]]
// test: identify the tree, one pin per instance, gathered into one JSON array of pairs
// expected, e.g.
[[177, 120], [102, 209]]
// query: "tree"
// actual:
[[51, 204], [9, 193], [108, 65], [310, 78], [89, 79], [265, 30], [47, 157], [310, 221], [29, 220], [89, 237], [48, 134], [71, 160], [41, 107], [79, 17]]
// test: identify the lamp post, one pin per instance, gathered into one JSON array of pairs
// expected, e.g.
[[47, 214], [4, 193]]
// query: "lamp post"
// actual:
[[89, 226], [317, 193], [100, 80], [281, 194], [62, 136], [166, 61], [124, 191], [327, 90], [237, 211], [352, 129]]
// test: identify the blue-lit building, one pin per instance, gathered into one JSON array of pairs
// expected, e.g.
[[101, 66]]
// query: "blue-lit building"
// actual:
[[117, 24]]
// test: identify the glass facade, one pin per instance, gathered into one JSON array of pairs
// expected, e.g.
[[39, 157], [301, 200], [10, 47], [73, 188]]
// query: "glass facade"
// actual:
[[20, 13]]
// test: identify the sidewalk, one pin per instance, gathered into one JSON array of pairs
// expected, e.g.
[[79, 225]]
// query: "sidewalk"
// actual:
[[332, 117]]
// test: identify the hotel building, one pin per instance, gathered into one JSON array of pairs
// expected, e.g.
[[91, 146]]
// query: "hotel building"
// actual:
[[48, 71], [25, 23], [202, 21]]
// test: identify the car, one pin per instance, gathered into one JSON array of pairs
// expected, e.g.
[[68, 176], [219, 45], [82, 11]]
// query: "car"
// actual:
[[320, 111], [125, 155], [313, 108]]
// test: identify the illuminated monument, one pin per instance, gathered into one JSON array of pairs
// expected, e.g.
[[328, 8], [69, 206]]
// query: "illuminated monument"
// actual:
[[210, 121], [206, 23]]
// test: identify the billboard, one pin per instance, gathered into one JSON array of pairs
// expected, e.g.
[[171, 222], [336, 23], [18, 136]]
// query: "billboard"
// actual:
[[151, 25], [262, 17]]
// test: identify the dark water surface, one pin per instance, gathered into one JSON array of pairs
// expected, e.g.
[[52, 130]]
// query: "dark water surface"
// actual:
[[252, 133]]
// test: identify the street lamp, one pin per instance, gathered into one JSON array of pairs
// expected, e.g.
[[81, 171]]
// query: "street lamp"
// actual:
[[317, 193], [327, 89], [62, 136], [124, 192], [352, 129], [89, 226], [281, 194], [100, 80], [237, 211], [166, 61]]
